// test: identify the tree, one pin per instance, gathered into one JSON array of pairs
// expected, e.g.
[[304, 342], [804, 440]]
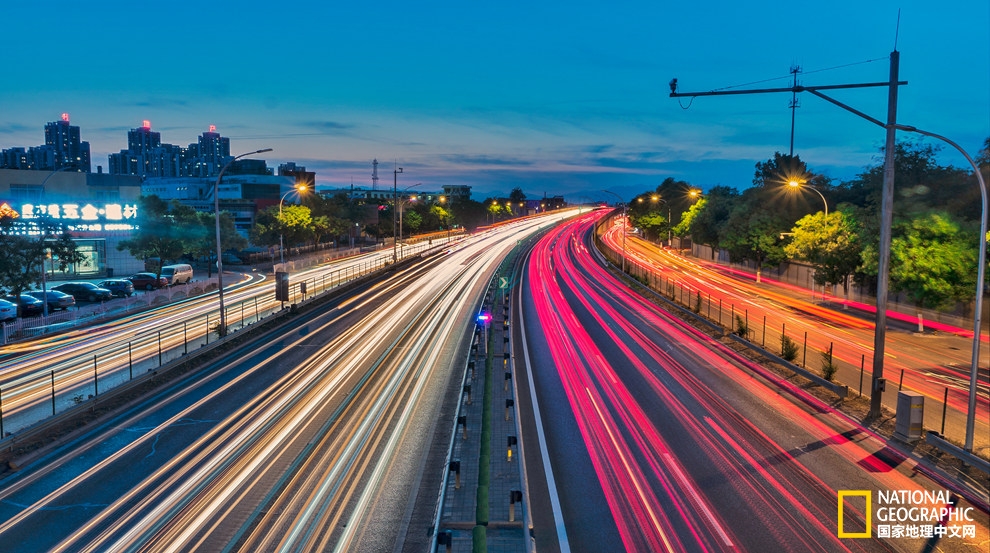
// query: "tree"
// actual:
[[494, 207], [441, 215], [203, 237], [931, 261], [707, 226], [467, 213], [782, 169], [292, 226], [830, 244], [652, 223], [411, 222], [23, 256], [159, 234], [683, 228], [754, 235]]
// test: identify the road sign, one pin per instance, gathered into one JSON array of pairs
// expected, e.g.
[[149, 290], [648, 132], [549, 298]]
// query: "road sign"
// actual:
[[503, 282]]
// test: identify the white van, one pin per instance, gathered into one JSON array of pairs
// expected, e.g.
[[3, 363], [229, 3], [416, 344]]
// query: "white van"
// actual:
[[177, 274]]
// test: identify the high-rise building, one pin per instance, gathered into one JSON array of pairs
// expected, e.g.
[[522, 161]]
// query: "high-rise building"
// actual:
[[70, 152], [146, 156], [62, 151], [212, 152]]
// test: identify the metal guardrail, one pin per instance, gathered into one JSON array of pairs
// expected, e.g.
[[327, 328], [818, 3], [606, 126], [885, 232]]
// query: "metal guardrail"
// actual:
[[936, 440], [840, 390]]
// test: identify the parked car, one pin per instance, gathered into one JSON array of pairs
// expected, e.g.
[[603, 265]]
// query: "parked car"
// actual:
[[29, 306], [177, 274], [147, 281], [8, 311], [119, 287], [56, 300], [84, 291]]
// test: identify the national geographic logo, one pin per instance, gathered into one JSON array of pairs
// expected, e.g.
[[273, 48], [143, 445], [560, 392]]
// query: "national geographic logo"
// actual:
[[906, 514], [868, 496]]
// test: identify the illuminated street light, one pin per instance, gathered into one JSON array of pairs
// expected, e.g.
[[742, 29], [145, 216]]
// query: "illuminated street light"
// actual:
[[300, 188], [395, 206], [402, 204], [222, 329], [800, 184]]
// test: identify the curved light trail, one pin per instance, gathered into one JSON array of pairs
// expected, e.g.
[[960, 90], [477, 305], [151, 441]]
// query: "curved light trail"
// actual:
[[289, 445], [681, 443]]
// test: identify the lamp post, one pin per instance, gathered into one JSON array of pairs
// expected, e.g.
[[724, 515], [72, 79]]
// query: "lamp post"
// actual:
[[623, 227], [222, 329], [980, 269], [797, 184], [300, 188], [402, 203], [395, 206], [670, 225], [446, 221]]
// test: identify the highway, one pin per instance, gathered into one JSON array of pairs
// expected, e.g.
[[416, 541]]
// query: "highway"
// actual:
[[642, 434], [138, 343], [935, 364], [312, 436]]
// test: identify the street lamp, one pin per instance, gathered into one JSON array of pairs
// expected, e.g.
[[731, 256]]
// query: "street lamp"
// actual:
[[670, 223], [222, 329], [624, 227], [300, 188], [402, 205], [395, 206], [446, 221], [798, 184], [403, 202]]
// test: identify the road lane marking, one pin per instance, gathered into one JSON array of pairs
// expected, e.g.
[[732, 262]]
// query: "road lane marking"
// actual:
[[676, 469], [558, 516]]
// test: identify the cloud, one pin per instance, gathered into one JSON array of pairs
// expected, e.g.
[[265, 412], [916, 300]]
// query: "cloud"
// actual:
[[161, 103], [11, 128], [598, 148], [467, 159], [328, 127]]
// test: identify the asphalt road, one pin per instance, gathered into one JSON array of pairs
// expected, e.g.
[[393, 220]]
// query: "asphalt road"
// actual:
[[313, 436], [657, 438]]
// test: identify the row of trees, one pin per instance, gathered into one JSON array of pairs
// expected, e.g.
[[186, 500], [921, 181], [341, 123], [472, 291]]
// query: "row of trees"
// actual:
[[170, 231], [935, 235]]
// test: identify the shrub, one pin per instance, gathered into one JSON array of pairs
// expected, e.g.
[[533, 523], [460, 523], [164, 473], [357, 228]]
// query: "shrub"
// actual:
[[788, 348], [828, 367], [742, 327]]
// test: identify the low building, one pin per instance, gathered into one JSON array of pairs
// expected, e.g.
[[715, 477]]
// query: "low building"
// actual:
[[99, 211], [243, 195]]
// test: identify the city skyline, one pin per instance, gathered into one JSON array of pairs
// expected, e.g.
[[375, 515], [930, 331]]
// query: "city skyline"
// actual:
[[561, 99]]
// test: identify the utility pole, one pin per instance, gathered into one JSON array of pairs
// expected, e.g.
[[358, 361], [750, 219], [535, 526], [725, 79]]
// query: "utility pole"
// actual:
[[887, 201], [795, 69]]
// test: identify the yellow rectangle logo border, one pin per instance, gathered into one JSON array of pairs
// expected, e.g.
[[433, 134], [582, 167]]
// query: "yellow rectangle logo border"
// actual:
[[868, 494]]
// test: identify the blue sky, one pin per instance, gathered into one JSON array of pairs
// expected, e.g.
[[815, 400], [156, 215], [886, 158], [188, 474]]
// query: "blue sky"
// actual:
[[563, 97]]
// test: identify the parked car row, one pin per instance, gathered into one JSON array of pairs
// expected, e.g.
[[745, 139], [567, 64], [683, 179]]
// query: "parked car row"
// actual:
[[31, 304], [64, 295]]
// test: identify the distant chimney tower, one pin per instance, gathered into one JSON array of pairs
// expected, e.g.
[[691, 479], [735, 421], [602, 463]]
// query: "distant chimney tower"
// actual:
[[374, 174]]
